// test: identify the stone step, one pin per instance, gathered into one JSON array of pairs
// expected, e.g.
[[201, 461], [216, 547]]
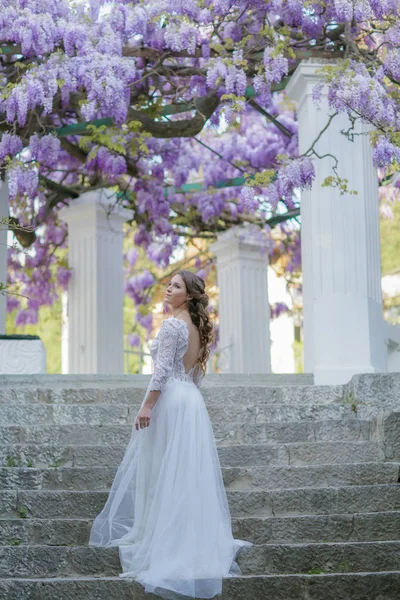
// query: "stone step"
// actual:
[[266, 559], [324, 475], [303, 529], [314, 395], [284, 394], [302, 453], [224, 412], [44, 381], [225, 433], [243, 503], [358, 527], [100, 478], [338, 586]]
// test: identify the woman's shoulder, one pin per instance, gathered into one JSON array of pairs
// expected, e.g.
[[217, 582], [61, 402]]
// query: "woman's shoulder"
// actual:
[[174, 323]]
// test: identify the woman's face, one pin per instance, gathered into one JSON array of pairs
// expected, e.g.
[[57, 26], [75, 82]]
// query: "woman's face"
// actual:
[[176, 294]]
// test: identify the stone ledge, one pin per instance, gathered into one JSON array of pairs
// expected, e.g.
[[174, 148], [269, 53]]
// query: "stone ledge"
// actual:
[[235, 478], [344, 586], [356, 527], [265, 559], [242, 503], [142, 380], [234, 455]]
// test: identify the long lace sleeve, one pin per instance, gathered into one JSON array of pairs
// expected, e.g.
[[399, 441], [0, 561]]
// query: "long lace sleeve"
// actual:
[[167, 343]]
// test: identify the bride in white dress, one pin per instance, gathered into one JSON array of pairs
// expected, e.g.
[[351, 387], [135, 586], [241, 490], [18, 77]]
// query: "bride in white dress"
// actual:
[[167, 510]]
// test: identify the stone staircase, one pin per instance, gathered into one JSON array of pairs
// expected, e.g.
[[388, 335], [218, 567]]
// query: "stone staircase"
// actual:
[[312, 476]]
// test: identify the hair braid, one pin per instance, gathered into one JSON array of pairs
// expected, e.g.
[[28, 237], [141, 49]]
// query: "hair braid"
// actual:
[[199, 314]]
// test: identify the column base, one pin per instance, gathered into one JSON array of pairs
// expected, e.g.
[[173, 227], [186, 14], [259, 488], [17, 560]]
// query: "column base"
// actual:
[[339, 375]]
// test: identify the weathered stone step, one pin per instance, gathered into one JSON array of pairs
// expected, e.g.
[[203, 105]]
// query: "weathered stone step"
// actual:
[[303, 529], [100, 478], [45, 381], [266, 559], [324, 475], [230, 456], [343, 586], [255, 503], [124, 414], [133, 395], [303, 453], [225, 433], [331, 557], [358, 527]]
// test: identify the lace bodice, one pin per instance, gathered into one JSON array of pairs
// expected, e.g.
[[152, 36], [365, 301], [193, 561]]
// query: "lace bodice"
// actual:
[[167, 352]]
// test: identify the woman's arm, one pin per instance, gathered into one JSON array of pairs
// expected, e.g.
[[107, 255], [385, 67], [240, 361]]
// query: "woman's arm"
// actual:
[[167, 344]]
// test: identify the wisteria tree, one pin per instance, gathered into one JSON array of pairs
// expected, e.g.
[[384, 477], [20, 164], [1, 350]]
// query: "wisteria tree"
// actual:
[[178, 109]]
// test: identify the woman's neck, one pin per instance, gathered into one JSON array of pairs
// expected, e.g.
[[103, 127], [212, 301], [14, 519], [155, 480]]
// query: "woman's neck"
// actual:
[[179, 311]]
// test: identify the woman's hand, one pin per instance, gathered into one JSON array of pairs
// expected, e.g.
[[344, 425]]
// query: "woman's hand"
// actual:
[[143, 418]]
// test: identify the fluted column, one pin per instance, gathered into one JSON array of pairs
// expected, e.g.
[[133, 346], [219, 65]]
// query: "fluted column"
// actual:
[[343, 323], [243, 303], [95, 293], [3, 252]]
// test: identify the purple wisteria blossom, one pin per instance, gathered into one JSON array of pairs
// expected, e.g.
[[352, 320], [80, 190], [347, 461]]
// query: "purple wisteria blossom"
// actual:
[[109, 163], [45, 150], [133, 340], [10, 145], [278, 309], [23, 180]]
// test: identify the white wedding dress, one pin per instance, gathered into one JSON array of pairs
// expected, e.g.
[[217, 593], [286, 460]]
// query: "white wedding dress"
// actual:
[[167, 510]]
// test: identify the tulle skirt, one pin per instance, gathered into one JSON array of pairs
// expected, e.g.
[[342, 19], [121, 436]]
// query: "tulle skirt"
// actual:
[[167, 510]]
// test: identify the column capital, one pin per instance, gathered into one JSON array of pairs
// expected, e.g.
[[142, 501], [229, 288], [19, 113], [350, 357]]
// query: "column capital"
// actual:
[[306, 77], [237, 239], [95, 204]]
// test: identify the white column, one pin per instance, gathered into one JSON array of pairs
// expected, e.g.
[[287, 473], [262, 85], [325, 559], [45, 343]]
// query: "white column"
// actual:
[[243, 302], [3, 252], [343, 323], [95, 293]]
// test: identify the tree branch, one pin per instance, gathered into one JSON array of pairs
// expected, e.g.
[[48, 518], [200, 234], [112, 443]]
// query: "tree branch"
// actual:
[[204, 107]]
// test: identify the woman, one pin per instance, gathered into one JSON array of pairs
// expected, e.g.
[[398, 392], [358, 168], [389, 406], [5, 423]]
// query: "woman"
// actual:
[[167, 510]]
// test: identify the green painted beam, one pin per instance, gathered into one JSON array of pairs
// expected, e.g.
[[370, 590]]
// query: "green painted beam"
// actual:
[[290, 214], [199, 187], [79, 128], [10, 49], [186, 188]]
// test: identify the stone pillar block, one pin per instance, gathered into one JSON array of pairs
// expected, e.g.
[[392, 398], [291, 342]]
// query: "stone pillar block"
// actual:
[[95, 294], [243, 302]]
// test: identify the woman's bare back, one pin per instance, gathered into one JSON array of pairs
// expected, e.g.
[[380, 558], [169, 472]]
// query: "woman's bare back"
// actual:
[[194, 346]]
